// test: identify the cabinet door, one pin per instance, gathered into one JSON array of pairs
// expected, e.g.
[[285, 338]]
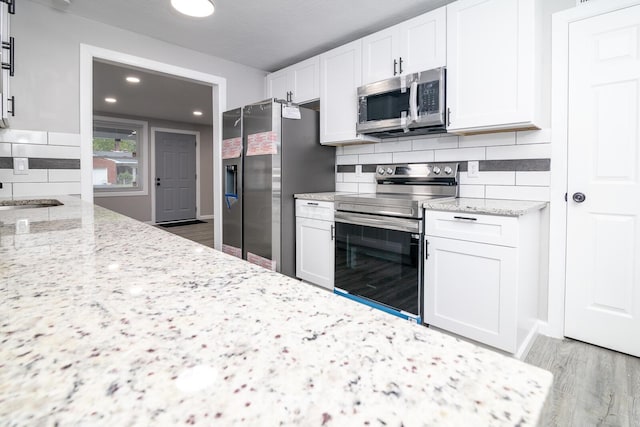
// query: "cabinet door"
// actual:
[[379, 51], [423, 42], [478, 301], [278, 84], [305, 80], [340, 76], [490, 65], [315, 251]]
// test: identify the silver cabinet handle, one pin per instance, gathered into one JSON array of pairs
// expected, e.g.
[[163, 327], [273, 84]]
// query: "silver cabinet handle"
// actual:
[[333, 231], [312, 204]]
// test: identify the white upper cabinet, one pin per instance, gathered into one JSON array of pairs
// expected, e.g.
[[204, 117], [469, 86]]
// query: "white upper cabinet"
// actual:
[[415, 45], [492, 73], [301, 80], [340, 76]]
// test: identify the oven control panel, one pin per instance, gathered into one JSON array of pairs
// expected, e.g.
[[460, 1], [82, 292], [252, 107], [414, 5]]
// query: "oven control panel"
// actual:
[[417, 171]]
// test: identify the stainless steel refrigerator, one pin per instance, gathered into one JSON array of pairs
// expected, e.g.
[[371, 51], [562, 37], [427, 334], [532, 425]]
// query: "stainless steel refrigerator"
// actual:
[[232, 182], [282, 156]]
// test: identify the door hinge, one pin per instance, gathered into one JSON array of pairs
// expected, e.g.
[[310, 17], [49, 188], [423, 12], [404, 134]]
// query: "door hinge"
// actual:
[[12, 6]]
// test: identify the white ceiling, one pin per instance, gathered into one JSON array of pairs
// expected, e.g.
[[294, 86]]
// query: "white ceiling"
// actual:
[[265, 34], [156, 96]]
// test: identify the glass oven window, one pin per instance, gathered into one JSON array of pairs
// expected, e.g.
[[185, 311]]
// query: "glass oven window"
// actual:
[[378, 264], [388, 105]]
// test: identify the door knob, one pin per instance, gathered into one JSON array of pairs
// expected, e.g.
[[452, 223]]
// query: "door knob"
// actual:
[[579, 197]]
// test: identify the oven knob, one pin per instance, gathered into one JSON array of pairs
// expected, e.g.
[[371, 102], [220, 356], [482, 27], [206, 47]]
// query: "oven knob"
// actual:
[[436, 170], [380, 171], [390, 171], [447, 170]]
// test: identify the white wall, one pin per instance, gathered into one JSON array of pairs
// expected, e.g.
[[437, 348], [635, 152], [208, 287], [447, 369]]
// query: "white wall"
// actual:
[[46, 84]]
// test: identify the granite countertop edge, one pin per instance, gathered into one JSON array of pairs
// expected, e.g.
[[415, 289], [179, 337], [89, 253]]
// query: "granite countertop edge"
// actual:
[[486, 206]]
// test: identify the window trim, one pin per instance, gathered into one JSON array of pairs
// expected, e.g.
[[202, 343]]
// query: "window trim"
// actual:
[[142, 155]]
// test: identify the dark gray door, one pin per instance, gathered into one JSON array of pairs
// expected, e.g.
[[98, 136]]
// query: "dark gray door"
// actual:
[[175, 180]]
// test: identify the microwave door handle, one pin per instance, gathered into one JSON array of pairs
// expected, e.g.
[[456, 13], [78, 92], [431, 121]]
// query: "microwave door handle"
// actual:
[[413, 101]]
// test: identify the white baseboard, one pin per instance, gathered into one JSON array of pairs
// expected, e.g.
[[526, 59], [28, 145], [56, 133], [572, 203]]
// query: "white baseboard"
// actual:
[[205, 216], [522, 352], [546, 329], [149, 222]]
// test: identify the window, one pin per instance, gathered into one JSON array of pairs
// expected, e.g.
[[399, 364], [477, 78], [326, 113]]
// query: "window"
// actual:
[[119, 157]]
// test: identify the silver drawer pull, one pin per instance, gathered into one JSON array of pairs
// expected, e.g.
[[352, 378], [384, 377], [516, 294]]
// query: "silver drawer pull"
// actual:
[[312, 204], [466, 218]]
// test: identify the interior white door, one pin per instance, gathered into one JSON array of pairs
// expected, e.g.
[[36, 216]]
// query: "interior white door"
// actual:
[[175, 180], [603, 231]]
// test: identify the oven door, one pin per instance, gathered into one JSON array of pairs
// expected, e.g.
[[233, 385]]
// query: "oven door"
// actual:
[[379, 262]]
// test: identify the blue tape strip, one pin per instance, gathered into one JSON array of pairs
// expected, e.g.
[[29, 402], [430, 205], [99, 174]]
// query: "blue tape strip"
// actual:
[[377, 306], [228, 196]]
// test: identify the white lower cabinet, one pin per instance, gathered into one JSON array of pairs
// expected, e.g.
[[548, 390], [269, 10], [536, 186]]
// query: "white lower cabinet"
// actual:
[[315, 242], [476, 288]]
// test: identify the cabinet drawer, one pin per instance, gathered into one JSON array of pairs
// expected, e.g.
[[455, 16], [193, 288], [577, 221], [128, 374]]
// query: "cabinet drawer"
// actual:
[[497, 230], [314, 209]]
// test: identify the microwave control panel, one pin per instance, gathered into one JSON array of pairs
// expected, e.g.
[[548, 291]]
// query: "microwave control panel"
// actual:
[[429, 97]]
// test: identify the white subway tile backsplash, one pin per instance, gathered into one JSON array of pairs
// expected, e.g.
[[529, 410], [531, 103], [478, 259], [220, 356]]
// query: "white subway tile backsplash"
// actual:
[[476, 153], [517, 192], [45, 151], [413, 156], [64, 175], [34, 175], [530, 151], [339, 176], [347, 160], [487, 139], [366, 188], [339, 150], [392, 146], [349, 177], [367, 159], [489, 178], [349, 187], [45, 188], [439, 143], [58, 138], [5, 191], [538, 178], [5, 149], [473, 191], [23, 136], [359, 149], [366, 177], [541, 136]]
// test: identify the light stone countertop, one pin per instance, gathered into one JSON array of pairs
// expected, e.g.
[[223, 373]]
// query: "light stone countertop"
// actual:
[[109, 321], [322, 197], [486, 206]]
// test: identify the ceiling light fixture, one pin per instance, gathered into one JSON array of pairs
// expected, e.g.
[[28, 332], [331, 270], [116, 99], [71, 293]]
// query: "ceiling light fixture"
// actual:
[[110, 100], [132, 79], [197, 113], [195, 8]]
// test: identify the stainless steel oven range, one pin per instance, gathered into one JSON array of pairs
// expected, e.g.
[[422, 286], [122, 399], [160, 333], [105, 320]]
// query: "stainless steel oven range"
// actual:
[[379, 237]]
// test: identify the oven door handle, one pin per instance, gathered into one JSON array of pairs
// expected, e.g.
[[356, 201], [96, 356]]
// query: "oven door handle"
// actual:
[[387, 223]]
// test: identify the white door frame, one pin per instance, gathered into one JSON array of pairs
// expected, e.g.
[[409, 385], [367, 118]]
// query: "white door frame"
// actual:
[[219, 100], [152, 162], [559, 140]]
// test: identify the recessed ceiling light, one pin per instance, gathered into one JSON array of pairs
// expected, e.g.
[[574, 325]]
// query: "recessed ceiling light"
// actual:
[[197, 113], [132, 79], [195, 8], [110, 100]]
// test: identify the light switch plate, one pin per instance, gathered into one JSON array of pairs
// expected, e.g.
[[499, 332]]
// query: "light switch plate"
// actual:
[[473, 168], [20, 166]]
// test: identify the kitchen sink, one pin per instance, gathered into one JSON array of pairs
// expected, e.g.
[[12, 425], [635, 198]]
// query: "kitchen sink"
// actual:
[[24, 204]]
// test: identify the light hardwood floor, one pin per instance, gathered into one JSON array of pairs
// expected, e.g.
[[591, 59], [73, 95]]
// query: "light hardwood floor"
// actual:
[[199, 233], [592, 386]]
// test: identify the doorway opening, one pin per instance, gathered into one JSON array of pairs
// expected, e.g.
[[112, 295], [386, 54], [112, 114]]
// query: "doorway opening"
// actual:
[[93, 59]]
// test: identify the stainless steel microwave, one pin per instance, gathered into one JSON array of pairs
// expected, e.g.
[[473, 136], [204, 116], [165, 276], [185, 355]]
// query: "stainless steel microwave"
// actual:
[[413, 104]]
